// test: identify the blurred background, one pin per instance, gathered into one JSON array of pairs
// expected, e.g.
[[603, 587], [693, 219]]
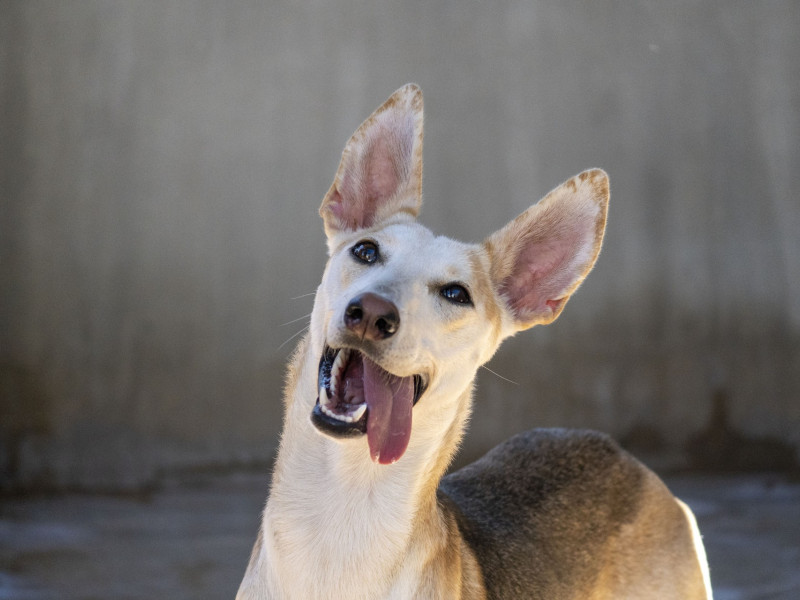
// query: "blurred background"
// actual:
[[161, 166]]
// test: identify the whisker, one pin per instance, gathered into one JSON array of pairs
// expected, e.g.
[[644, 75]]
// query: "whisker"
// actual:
[[304, 295], [294, 336], [294, 320], [498, 375]]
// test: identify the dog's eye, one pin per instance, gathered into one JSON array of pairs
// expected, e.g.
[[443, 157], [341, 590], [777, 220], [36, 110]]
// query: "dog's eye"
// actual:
[[366, 251], [456, 293]]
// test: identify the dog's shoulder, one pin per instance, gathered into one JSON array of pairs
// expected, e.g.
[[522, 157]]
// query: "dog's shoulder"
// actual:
[[528, 504]]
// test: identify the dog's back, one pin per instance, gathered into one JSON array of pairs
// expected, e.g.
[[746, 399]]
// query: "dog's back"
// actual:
[[554, 514]]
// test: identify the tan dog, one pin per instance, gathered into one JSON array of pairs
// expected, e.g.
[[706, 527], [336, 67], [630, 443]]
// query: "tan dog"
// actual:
[[379, 393]]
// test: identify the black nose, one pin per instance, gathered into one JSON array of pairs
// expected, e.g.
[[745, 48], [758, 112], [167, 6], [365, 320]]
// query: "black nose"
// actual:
[[372, 317]]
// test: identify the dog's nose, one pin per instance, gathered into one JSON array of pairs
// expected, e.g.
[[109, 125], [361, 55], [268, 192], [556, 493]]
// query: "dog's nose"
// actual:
[[372, 317]]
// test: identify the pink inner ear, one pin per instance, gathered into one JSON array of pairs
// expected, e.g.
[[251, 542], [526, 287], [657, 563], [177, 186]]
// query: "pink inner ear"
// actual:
[[374, 171], [385, 171], [351, 202], [349, 216], [541, 276]]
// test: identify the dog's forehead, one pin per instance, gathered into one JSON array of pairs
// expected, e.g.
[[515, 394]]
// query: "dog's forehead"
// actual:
[[437, 254]]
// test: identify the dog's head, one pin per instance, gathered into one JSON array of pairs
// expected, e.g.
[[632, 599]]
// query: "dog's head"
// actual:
[[406, 314]]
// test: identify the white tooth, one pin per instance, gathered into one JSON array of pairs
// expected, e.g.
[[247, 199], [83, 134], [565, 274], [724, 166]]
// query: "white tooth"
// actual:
[[323, 396], [336, 369], [332, 381], [359, 412], [341, 359], [336, 416]]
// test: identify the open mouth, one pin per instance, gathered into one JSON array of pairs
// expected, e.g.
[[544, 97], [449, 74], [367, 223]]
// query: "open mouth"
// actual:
[[357, 397]]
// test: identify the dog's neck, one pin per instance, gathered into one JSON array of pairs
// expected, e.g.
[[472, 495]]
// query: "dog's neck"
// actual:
[[354, 520]]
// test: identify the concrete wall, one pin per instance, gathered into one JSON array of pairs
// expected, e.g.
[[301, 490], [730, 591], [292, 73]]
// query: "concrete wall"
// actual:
[[161, 166]]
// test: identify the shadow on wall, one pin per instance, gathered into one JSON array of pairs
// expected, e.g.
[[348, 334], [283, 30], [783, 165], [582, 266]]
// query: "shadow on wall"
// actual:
[[24, 412], [119, 457], [718, 447]]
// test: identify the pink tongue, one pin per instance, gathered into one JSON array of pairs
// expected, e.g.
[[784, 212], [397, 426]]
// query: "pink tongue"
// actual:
[[390, 401]]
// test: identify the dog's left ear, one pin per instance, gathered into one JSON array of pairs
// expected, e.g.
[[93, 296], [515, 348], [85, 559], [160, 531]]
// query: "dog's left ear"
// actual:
[[380, 174], [539, 259]]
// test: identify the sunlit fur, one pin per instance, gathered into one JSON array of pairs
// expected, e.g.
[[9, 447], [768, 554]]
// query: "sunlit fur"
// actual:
[[338, 525]]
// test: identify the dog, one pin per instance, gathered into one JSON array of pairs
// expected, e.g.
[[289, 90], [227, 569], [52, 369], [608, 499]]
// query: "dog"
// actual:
[[379, 392]]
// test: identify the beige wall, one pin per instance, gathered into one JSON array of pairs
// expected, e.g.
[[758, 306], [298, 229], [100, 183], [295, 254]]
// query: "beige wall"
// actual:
[[162, 164]]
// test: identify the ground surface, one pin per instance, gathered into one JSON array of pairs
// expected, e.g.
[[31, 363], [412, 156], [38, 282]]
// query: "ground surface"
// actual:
[[192, 539]]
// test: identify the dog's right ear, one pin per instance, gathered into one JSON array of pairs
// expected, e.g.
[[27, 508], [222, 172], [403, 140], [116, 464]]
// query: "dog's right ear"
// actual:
[[380, 174]]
